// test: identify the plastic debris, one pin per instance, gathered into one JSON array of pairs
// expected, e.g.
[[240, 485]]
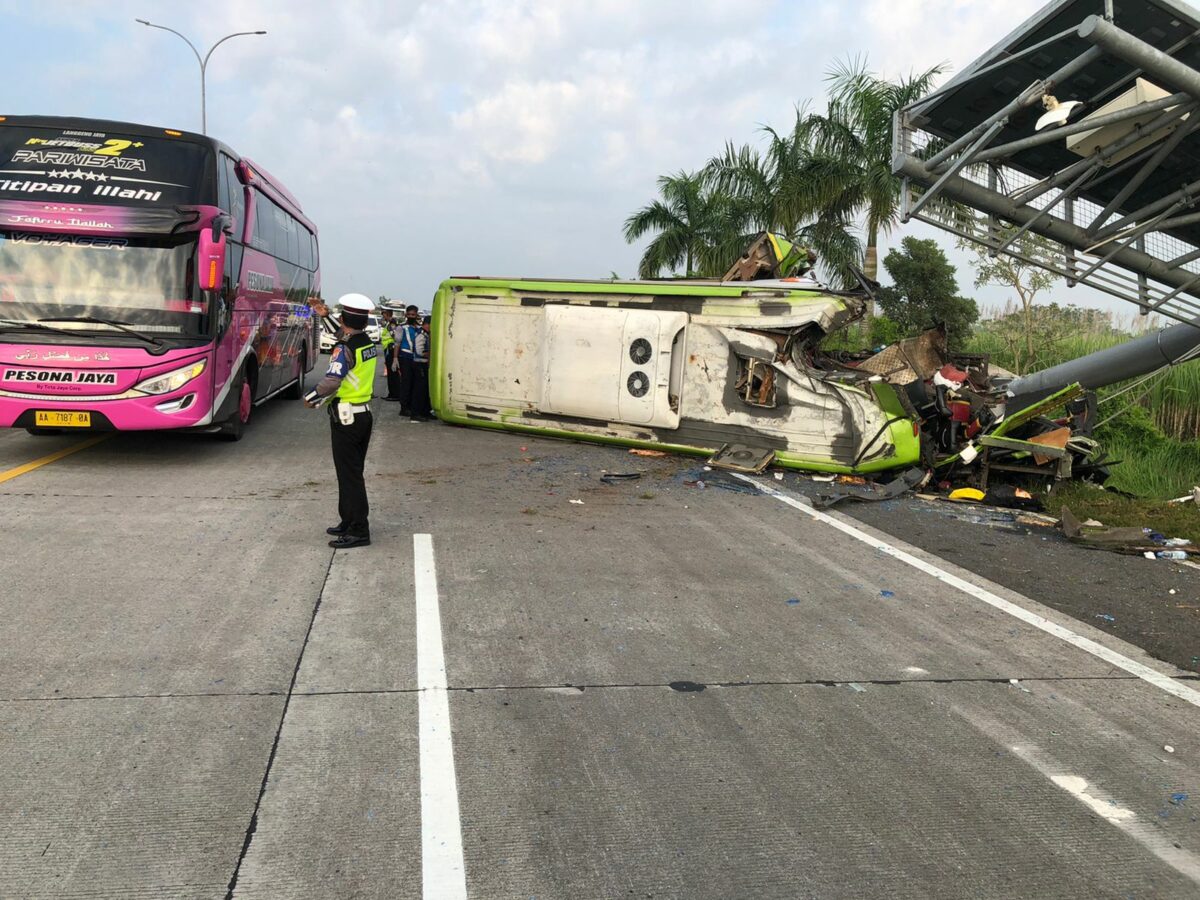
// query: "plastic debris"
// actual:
[[638, 451], [779, 476], [1106, 617], [577, 502], [1178, 797], [967, 493], [793, 601], [1168, 748], [823, 478], [887, 593]]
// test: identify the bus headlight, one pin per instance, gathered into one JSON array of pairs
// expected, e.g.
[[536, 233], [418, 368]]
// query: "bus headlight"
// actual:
[[171, 381]]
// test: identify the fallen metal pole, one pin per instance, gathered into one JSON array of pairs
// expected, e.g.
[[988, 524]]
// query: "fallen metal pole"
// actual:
[[1132, 359]]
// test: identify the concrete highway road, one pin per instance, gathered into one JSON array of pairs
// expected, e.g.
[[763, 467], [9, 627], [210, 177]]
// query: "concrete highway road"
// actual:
[[660, 691]]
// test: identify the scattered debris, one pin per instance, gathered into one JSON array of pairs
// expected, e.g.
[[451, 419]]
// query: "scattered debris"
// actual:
[[868, 491], [1107, 618], [638, 451], [1193, 497], [793, 601], [1169, 748], [620, 477], [857, 688], [966, 494], [577, 502], [740, 458], [779, 476], [1131, 540], [887, 593]]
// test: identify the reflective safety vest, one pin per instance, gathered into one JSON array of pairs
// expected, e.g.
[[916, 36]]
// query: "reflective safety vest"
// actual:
[[359, 382], [408, 340], [385, 334]]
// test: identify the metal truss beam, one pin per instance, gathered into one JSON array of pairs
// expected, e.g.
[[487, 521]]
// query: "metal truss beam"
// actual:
[[1048, 226]]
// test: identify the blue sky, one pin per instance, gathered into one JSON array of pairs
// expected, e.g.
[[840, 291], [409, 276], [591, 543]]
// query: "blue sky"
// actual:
[[504, 137]]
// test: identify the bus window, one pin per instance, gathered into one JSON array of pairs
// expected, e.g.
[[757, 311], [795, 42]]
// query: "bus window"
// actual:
[[304, 247], [223, 185], [237, 197], [293, 240], [264, 223], [315, 258]]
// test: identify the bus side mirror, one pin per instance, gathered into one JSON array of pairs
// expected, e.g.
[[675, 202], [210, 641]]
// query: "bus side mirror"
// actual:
[[210, 255]]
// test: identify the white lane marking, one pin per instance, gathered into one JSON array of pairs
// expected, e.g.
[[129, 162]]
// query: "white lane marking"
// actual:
[[1147, 674], [442, 873], [1153, 839], [1105, 809]]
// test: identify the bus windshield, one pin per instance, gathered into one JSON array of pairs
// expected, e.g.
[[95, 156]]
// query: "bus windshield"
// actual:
[[147, 283]]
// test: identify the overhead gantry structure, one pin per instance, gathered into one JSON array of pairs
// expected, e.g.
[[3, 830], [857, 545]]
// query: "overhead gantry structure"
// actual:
[[1073, 144]]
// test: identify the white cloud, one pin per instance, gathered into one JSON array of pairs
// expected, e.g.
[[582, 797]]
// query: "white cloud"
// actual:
[[437, 137]]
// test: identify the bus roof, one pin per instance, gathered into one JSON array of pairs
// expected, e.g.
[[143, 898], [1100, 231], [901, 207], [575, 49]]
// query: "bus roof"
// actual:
[[800, 288]]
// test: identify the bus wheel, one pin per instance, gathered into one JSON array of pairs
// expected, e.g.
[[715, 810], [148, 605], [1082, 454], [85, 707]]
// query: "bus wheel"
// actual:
[[234, 427], [296, 391]]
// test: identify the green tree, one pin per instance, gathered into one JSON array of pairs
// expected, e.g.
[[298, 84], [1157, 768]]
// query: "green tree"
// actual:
[[925, 292], [854, 140], [782, 188], [1024, 278], [693, 228]]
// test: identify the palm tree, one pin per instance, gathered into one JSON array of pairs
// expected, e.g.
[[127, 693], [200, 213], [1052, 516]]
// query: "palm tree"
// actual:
[[695, 227], [784, 189], [855, 136]]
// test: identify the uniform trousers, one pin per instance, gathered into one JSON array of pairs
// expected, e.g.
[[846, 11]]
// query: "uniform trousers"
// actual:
[[408, 384], [350, 444], [393, 378]]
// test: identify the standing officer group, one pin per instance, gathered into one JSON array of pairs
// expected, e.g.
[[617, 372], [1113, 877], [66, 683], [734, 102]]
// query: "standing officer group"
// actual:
[[411, 362]]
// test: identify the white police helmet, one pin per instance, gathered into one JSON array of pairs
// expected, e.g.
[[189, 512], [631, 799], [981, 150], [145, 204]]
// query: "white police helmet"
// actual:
[[359, 303]]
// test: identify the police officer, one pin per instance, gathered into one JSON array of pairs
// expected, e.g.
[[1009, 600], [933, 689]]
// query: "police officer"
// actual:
[[347, 388], [387, 339], [420, 397], [406, 345]]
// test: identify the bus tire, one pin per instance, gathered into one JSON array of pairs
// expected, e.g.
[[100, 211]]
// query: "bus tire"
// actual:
[[234, 427], [296, 391]]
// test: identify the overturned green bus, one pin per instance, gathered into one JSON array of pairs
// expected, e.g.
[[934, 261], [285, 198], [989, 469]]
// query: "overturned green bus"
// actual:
[[685, 366]]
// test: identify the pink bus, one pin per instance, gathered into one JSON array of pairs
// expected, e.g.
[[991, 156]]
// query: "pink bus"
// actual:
[[149, 279]]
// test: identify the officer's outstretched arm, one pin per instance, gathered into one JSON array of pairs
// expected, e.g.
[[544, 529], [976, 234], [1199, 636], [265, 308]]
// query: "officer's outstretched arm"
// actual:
[[338, 367]]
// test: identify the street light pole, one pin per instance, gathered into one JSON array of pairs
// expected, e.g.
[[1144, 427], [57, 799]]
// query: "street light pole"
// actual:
[[202, 61]]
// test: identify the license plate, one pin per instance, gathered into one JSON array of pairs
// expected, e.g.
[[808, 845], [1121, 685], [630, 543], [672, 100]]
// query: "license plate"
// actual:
[[62, 418]]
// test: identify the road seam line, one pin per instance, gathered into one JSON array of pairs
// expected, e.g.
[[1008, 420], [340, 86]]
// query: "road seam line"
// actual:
[[262, 788], [443, 875], [1162, 682], [53, 457]]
